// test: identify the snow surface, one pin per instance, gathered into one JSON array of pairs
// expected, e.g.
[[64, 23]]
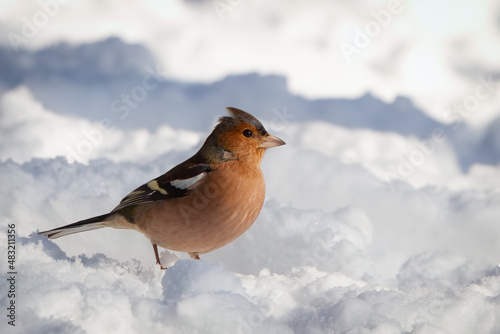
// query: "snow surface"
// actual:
[[381, 214], [336, 249]]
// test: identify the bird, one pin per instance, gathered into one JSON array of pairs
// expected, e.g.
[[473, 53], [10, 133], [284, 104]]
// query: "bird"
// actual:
[[201, 204]]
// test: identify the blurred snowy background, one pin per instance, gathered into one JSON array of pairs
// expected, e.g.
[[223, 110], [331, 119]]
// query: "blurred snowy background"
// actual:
[[382, 212]]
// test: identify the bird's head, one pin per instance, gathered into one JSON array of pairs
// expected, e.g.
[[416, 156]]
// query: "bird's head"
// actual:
[[239, 136]]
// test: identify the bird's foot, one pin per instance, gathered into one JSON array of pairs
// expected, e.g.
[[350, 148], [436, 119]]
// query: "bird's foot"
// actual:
[[194, 256], [158, 257]]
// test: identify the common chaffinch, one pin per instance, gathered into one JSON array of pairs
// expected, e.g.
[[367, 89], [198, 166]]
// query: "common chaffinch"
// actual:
[[203, 203]]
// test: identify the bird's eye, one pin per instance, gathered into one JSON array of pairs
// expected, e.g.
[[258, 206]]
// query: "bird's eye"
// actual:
[[247, 133]]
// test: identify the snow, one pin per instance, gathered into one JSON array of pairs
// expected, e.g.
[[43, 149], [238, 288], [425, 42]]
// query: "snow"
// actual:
[[76, 138], [381, 214], [335, 250]]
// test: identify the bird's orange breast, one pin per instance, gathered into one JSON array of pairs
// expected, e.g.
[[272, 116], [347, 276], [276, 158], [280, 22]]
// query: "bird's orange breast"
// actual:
[[221, 207]]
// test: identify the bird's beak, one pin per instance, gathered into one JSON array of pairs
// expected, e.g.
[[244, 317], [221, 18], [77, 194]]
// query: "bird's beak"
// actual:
[[271, 141]]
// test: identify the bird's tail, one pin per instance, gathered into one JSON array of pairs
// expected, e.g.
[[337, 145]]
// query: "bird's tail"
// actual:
[[80, 226]]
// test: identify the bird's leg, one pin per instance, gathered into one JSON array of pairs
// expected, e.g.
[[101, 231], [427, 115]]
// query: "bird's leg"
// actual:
[[194, 256], [157, 257]]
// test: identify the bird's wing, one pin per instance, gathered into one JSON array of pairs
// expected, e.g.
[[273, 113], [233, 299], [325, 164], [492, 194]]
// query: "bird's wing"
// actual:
[[177, 182]]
